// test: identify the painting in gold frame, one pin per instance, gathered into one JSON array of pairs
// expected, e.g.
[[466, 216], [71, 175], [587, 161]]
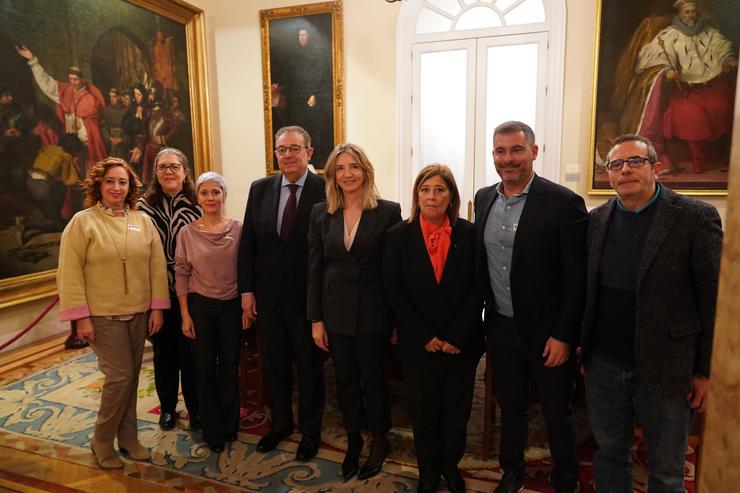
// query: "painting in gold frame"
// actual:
[[303, 76], [641, 85], [156, 45]]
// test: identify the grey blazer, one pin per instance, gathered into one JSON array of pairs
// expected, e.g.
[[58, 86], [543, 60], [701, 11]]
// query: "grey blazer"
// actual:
[[676, 290]]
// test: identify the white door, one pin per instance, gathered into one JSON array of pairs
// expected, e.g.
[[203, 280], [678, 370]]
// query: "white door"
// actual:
[[461, 90]]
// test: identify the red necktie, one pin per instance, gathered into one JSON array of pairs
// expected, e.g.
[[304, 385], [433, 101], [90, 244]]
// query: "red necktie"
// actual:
[[286, 226]]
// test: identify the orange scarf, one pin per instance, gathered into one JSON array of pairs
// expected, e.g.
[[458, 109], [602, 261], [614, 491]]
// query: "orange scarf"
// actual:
[[437, 241]]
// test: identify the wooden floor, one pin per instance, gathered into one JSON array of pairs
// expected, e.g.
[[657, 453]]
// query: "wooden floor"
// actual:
[[26, 472]]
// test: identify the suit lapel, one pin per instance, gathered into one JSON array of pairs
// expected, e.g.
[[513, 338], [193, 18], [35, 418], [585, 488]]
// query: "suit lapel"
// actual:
[[535, 199], [666, 214], [368, 221], [272, 197], [305, 204], [599, 225], [452, 261], [418, 245]]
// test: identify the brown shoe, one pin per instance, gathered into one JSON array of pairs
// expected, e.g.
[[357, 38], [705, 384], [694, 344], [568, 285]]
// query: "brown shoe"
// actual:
[[105, 455], [135, 450]]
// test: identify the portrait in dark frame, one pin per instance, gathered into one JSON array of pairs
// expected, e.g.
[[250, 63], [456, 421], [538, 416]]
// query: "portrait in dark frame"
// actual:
[[302, 71], [646, 82]]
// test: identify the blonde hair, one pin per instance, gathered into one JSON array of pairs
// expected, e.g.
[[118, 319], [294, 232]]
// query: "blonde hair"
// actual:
[[443, 171], [334, 195]]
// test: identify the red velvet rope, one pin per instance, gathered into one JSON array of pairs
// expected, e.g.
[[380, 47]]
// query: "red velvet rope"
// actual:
[[31, 325]]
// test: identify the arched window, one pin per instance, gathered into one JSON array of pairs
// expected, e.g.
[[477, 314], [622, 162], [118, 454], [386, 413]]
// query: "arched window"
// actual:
[[463, 67]]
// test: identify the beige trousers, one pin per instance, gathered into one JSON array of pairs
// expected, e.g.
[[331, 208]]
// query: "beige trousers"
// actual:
[[119, 346]]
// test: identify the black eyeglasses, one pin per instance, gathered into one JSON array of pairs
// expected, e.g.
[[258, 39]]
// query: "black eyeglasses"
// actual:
[[294, 149], [632, 162], [172, 168]]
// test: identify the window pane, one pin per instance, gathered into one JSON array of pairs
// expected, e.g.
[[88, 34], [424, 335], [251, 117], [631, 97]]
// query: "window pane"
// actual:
[[509, 97], [477, 18], [452, 7], [431, 22], [442, 110], [529, 12], [505, 4]]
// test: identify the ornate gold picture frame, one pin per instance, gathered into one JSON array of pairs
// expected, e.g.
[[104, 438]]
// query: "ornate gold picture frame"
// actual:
[[157, 45], [646, 81], [303, 76]]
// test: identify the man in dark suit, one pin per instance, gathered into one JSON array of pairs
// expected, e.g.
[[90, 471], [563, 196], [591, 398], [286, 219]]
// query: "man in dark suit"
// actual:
[[272, 279], [531, 237], [653, 267]]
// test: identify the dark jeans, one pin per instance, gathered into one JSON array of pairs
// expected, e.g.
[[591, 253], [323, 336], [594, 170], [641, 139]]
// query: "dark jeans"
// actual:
[[362, 382], [173, 358], [284, 337], [515, 367], [216, 360], [616, 397], [439, 403]]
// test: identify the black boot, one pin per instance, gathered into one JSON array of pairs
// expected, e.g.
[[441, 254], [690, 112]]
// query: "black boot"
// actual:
[[378, 451], [351, 462]]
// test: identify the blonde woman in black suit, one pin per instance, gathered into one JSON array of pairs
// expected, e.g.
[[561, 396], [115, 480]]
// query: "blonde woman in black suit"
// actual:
[[346, 300], [429, 274]]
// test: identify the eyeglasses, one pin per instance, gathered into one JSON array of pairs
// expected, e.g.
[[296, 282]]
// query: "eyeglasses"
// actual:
[[632, 162], [172, 168], [294, 149]]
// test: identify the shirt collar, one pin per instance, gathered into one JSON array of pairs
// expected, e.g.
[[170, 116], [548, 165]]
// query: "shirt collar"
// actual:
[[500, 188], [621, 207], [300, 181]]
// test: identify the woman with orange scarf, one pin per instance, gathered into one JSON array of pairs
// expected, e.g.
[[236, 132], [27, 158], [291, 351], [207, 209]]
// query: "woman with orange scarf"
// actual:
[[429, 275]]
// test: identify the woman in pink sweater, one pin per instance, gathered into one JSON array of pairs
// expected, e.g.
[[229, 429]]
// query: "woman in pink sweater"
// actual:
[[205, 280]]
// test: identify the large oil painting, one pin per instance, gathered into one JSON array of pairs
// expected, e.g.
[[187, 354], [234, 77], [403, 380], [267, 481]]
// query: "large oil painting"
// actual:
[[82, 80], [303, 76], [667, 70]]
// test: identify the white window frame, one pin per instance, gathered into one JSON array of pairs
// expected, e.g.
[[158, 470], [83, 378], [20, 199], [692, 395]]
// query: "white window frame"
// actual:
[[406, 37]]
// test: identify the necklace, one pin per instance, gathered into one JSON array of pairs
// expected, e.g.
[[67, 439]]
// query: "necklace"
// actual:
[[118, 251]]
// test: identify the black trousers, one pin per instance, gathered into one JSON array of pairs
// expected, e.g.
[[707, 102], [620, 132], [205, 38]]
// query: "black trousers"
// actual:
[[515, 367], [362, 381], [173, 359], [285, 336], [216, 358], [439, 399]]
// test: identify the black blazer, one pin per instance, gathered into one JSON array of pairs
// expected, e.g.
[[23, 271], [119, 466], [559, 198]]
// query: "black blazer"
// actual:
[[267, 266], [548, 266], [676, 290], [345, 289], [450, 310]]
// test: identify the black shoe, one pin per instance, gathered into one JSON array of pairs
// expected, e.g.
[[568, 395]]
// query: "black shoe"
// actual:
[[216, 448], [308, 448], [231, 437], [378, 452], [426, 488], [455, 481], [510, 484], [167, 421], [195, 423], [271, 440], [351, 462]]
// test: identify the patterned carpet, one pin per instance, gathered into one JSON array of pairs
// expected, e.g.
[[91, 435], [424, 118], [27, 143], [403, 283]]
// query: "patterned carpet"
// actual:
[[50, 410]]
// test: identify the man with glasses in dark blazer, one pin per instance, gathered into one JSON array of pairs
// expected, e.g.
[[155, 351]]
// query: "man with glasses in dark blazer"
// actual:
[[646, 344], [272, 281]]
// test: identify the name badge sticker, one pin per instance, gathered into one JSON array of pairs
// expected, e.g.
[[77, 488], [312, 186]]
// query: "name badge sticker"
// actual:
[[228, 236], [133, 227]]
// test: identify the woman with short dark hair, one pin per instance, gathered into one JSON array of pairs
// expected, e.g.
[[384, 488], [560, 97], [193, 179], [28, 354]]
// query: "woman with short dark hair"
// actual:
[[429, 275]]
